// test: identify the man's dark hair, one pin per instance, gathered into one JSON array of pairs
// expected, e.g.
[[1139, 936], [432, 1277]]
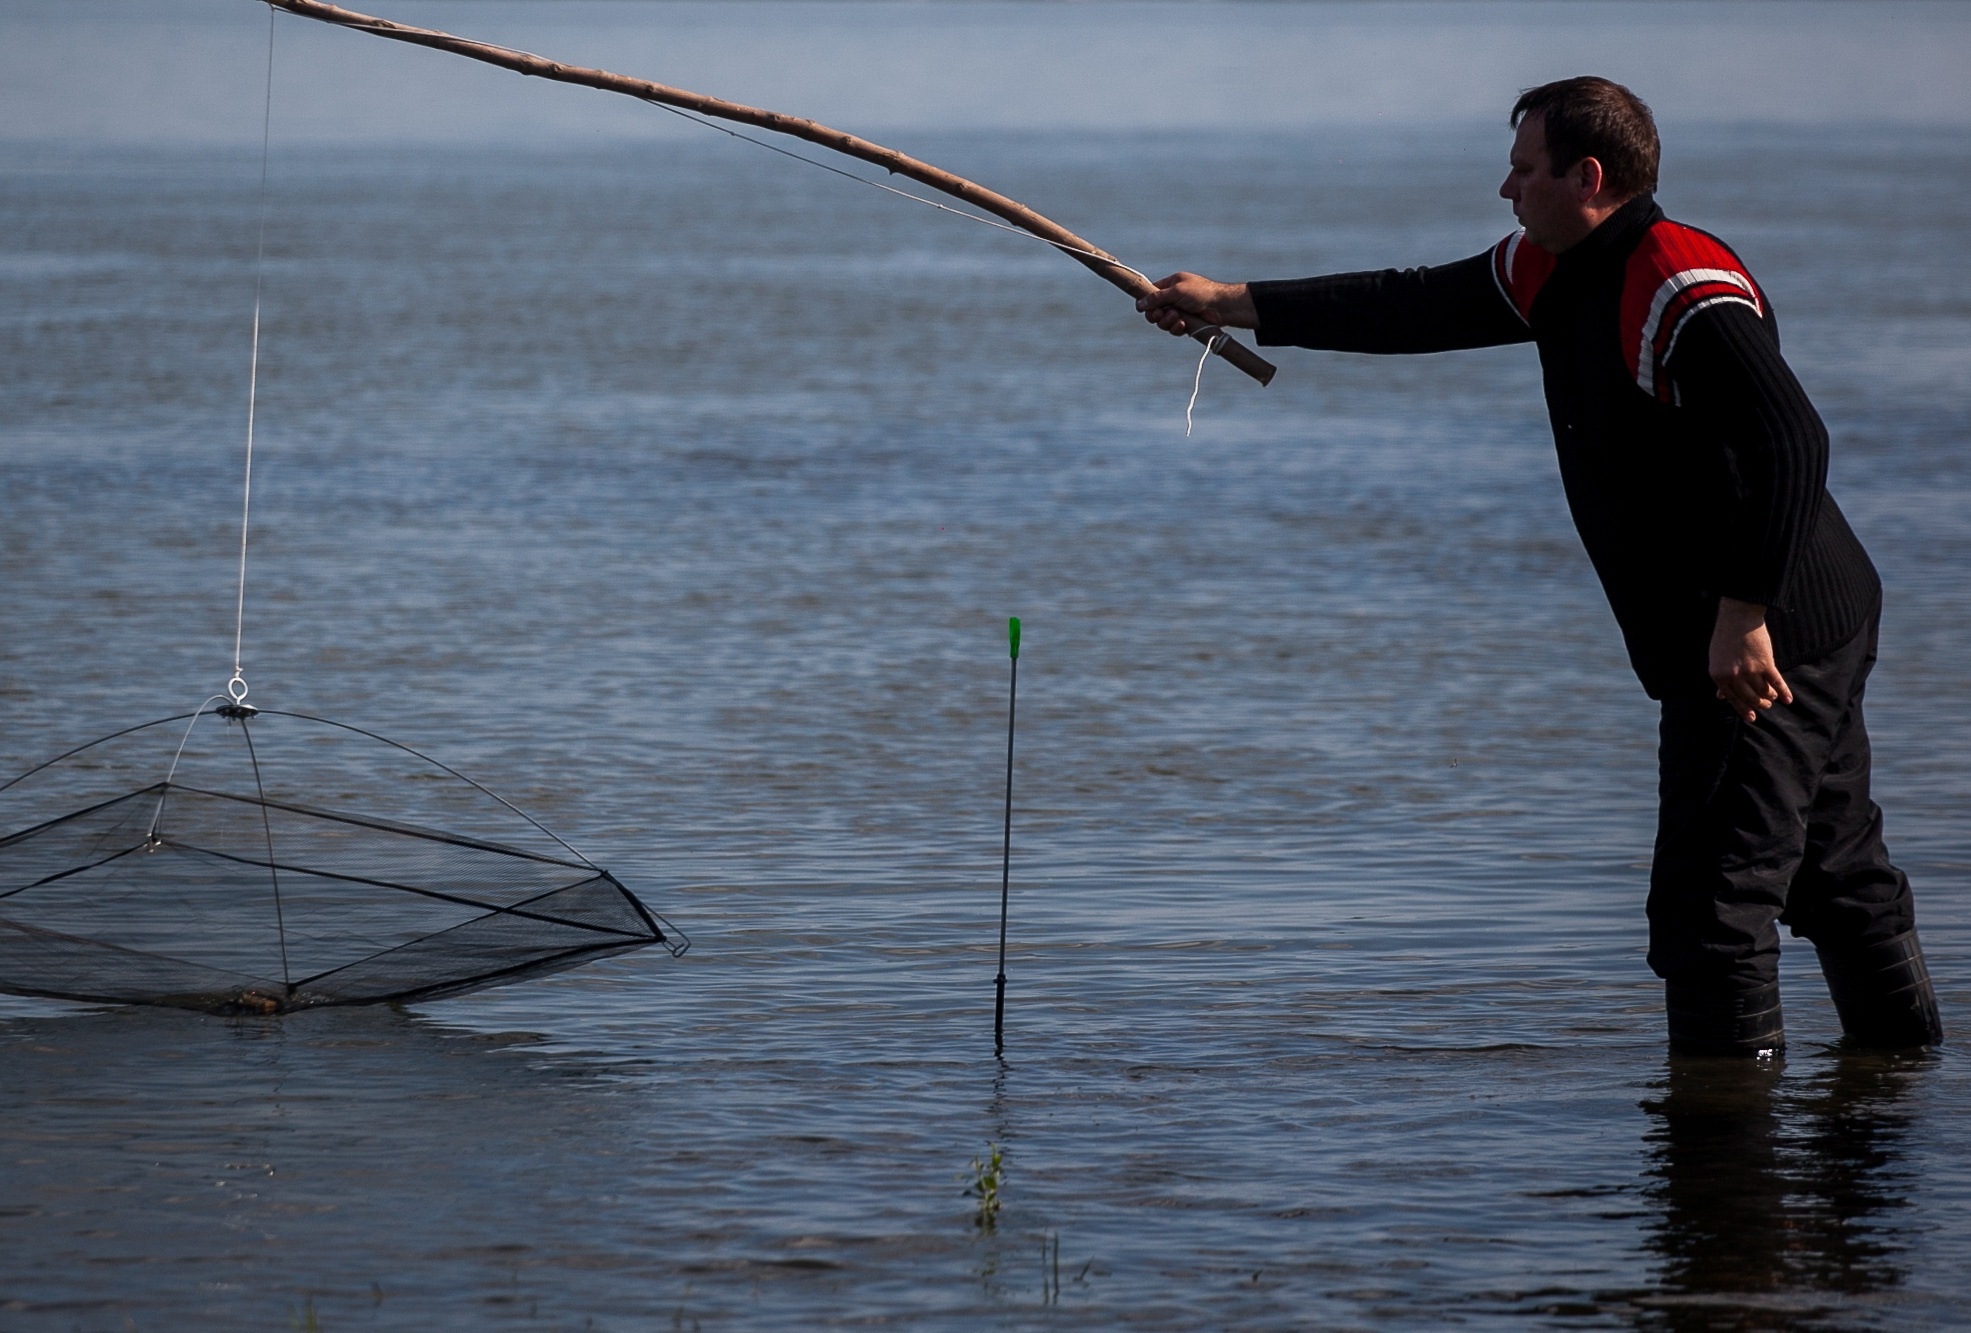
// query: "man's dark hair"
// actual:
[[1591, 117]]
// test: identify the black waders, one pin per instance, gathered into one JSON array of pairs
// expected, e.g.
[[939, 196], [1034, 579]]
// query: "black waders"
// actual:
[[1770, 823], [1883, 993]]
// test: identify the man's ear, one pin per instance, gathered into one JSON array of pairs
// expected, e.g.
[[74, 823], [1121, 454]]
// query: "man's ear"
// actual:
[[1588, 179]]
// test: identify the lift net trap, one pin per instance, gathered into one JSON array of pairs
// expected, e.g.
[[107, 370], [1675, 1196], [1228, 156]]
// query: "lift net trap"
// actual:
[[212, 882], [258, 861]]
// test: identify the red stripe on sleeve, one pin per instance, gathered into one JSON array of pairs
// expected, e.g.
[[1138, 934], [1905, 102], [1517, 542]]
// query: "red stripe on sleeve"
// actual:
[[1674, 273], [1521, 269]]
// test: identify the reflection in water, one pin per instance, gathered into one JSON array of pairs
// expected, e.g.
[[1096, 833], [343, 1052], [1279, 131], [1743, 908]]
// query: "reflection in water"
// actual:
[[1778, 1195]]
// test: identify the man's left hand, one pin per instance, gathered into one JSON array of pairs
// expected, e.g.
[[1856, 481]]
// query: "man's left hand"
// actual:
[[1184, 301], [1742, 662]]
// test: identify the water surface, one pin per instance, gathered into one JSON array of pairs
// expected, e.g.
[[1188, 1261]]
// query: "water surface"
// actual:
[[681, 495]]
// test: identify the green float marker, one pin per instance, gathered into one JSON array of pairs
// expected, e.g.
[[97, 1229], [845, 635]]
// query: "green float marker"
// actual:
[[1006, 855]]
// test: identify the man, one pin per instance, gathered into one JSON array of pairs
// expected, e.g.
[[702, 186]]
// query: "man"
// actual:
[[1695, 468]]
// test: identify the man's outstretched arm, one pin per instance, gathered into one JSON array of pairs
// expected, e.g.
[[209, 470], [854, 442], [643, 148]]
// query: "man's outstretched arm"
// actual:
[[1392, 310]]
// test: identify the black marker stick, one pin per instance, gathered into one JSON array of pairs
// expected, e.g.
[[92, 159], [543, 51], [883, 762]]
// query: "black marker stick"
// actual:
[[1006, 856]]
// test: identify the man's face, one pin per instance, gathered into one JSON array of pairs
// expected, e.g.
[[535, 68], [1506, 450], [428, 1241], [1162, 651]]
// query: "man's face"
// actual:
[[1550, 207]]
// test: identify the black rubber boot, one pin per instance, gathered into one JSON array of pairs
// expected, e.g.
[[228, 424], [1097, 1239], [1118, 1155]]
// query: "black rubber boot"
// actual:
[[1716, 1018], [1883, 993]]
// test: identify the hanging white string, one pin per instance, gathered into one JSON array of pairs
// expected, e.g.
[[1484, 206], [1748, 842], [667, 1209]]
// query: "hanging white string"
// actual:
[[236, 687], [1198, 379]]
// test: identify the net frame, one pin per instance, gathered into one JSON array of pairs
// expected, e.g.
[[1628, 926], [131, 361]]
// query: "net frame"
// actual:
[[503, 913]]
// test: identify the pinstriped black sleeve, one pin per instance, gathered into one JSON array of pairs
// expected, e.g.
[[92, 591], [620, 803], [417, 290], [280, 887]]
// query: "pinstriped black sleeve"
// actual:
[[1437, 309], [1729, 374]]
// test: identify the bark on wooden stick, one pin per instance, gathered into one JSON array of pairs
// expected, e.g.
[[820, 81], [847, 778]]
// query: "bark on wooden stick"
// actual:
[[1099, 261]]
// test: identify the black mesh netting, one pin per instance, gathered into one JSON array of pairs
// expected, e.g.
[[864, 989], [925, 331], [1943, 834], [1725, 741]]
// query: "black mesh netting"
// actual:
[[211, 887]]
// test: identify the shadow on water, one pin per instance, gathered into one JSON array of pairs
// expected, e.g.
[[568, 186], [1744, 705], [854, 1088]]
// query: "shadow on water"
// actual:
[[1776, 1198]]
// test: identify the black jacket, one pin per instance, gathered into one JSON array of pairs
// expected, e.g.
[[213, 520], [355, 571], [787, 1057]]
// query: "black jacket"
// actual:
[[1693, 462]]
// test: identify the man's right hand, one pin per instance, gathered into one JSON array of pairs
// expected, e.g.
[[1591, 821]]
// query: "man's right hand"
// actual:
[[1742, 665], [1184, 301]]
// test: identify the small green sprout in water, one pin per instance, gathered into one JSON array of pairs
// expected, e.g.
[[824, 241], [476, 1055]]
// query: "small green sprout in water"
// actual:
[[983, 1183], [304, 1318]]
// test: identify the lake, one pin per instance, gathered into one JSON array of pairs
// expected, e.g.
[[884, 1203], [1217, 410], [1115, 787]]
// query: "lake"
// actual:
[[680, 493]]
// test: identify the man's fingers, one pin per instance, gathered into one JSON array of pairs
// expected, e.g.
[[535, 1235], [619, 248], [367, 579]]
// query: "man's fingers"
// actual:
[[1740, 704], [1771, 688], [1183, 303], [1749, 694], [1159, 297], [1169, 318]]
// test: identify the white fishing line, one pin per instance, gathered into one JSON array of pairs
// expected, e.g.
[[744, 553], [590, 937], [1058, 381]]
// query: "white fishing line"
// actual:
[[696, 119], [1021, 232], [253, 371], [1216, 341]]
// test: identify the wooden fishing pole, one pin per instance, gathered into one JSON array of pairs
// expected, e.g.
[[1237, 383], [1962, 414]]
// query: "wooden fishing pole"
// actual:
[[1099, 261]]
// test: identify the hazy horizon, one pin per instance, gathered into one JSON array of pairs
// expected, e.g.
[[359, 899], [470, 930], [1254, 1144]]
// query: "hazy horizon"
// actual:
[[188, 72]]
